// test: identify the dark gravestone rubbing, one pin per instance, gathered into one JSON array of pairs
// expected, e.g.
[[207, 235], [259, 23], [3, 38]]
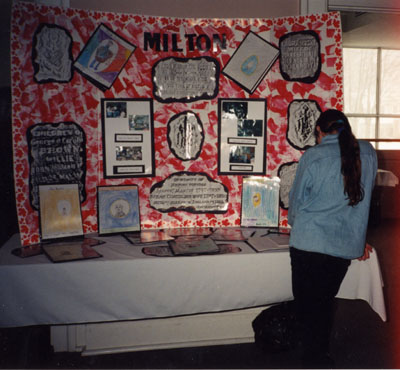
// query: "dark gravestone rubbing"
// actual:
[[287, 173], [57, 155], [300, 58], [302, 116], [185, 135]]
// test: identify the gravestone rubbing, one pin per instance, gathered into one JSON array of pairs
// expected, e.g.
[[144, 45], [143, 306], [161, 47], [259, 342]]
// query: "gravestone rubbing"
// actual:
[[185, 135], [302, 116], [57, 155], [300, 58], [287, 173], [52, 54]]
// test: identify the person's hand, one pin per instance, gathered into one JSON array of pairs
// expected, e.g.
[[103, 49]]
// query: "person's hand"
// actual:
[[367, 252]]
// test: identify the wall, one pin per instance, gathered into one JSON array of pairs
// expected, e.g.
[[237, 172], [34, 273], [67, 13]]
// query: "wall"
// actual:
[[195, 8]]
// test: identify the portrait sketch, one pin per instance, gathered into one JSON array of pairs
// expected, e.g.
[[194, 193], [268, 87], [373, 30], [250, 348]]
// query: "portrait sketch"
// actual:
[[60, 211], [260, 201], [103, 57], [118, 209]]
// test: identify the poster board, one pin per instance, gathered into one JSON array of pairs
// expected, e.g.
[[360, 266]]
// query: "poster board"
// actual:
[[204, 46]]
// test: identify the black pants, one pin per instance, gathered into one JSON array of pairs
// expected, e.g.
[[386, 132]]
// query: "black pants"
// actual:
[[316, 279]]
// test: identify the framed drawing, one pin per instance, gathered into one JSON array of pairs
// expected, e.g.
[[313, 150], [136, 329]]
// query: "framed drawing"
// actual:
[[260, 201], [128, 138], [71, 250], [231, 234], [103, 57], [59, 211], [251, 62], [189, 231], [242, 136], [193, 245], [148, 236], [118, 209]]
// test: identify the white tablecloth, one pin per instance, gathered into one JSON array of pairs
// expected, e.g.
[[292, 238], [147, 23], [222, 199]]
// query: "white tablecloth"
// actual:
[[125, 284]]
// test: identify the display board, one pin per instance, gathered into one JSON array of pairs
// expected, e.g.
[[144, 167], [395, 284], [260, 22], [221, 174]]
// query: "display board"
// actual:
[[74, 71]]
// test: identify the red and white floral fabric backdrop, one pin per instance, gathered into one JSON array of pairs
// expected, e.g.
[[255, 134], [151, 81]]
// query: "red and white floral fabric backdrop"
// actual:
[[79, 101]]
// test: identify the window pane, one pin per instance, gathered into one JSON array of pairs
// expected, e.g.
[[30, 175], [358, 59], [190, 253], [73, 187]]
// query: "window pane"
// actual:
[[390, 81], [389, 146], [359, 72], [363, 128], [389, 128]]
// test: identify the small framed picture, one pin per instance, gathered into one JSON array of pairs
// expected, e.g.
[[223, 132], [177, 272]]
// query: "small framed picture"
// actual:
[[60, 211], [231, 234], [73, 250], [260, 201], [251, 62], [118, 209], [103, 57], [193, 245], [148, 236]]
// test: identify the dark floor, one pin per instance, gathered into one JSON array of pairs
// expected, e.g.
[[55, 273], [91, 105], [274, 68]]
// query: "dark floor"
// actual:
[[360, 339]]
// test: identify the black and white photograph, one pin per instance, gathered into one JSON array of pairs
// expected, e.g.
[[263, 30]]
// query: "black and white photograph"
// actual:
[[129, 153], [242, 154], [139, 122], [116, 109], [250, 127]]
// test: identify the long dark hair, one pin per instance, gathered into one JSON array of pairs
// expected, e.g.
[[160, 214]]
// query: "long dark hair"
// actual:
[[333, 120]]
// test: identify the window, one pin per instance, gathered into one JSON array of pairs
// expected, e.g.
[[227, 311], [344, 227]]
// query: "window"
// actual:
[[371, 96]]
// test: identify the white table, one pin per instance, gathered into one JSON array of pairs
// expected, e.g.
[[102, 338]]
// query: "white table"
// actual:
[[129, 301]]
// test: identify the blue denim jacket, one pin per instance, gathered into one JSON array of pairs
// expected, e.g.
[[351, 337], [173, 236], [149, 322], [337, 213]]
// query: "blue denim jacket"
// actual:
[[321, 219]]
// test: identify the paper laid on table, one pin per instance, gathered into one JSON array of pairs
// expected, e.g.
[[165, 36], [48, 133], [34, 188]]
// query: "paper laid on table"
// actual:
[[192, 245], [270, 242]]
